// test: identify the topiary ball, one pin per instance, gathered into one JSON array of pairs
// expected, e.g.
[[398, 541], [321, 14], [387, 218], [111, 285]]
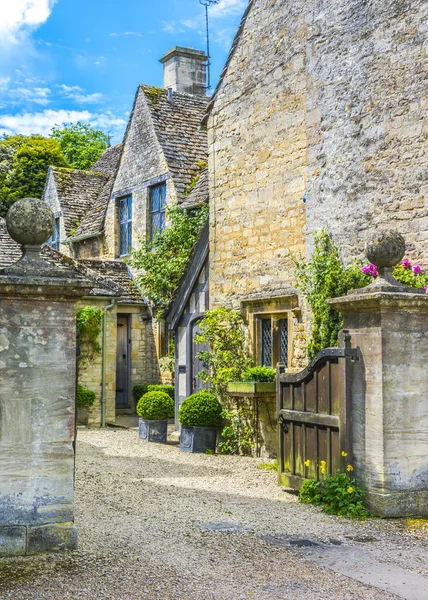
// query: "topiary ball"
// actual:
[[200, 410], [85, 397], [155, 406]]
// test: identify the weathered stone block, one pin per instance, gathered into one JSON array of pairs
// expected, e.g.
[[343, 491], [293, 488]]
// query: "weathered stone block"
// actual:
[[13, 541], [54, 537]]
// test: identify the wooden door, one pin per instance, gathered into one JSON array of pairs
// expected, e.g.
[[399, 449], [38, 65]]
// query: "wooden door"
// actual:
[[196, 363], [122, 362]]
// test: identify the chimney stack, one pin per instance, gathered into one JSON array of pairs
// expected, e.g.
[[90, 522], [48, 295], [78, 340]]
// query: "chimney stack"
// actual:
[[184, 70]]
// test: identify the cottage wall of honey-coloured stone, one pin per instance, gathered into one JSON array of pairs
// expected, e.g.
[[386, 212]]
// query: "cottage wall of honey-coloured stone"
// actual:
[[258, 157]]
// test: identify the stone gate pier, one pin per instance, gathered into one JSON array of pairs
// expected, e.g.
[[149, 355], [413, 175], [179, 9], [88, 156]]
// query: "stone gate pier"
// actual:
[[37, 391], [388, 323]]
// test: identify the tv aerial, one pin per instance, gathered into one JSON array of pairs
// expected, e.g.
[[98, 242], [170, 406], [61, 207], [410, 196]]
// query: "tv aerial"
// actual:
[[207, 4]]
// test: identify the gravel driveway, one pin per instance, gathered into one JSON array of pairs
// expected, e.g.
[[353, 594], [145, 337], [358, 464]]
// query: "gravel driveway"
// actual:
[[157, 523]]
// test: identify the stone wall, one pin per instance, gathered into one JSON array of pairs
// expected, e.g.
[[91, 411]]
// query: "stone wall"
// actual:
[[257, 157], [367, 112], [142, 165], [90, 369]]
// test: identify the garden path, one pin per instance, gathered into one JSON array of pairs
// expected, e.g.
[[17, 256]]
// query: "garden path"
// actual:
[[155, 523]]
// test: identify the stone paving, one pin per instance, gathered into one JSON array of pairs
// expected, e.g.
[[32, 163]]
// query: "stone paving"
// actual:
[[155, 523]]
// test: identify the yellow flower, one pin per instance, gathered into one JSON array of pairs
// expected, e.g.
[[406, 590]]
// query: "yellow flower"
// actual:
[[323, 463], [350, 490], [344, 453], [349, 468], [323, 470], [307, 463]]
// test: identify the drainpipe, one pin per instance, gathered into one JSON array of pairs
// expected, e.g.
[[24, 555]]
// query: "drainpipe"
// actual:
[[104, 363]]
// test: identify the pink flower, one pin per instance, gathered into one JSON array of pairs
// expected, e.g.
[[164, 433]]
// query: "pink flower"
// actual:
[[406, 263], [369, 270], [426, 289], [416, 269]]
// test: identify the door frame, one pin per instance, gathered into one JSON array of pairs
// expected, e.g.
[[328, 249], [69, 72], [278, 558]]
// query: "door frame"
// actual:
[[124, 408]]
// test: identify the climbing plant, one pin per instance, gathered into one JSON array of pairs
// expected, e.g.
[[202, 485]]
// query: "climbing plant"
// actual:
[[325, 276], [89, 320], [162, 260], [222, 330]]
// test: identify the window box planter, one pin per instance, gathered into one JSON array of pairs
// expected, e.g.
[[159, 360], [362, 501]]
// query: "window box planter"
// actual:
[[198, 439], [153, 430], [251, 388]]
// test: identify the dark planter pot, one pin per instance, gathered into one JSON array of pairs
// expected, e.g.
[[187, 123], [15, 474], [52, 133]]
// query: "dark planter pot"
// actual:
[[82, 415], [153, 431], [198, 439]]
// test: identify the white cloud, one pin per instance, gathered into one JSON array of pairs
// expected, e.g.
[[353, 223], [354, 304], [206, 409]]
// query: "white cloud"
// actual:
[[42, 122], [132, 33], [36, 95], [77, 94], [226, 8], [114, 34], [20, 16]]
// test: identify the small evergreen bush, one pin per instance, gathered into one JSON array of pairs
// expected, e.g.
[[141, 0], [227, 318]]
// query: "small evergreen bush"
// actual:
[[139, 390], [200, 410], [259, 374], [142, 388], [85, 397], [155, 406], [168, 389]]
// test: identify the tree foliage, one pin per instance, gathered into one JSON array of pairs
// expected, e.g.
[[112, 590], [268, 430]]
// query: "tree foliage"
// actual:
[[24, 163], [81, 144], [163, 259]]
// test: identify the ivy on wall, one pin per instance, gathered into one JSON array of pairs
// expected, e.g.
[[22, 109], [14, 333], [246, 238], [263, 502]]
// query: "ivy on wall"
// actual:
[[163, 259], [89, 321]]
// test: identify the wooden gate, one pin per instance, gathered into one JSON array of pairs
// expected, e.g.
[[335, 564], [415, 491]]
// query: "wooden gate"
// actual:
[[314, 416]]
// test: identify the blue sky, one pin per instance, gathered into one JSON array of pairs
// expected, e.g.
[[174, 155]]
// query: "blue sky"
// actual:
[[68, 60]]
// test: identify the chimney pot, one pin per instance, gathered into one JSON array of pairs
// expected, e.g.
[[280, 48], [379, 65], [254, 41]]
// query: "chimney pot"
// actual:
[[184, 71]]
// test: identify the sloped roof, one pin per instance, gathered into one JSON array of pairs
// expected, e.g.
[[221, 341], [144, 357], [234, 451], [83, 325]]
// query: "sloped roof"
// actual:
[[10, 251], [177, 128], [77, 191], [110, 278], [232, 50], [92, 221], [199, 194]]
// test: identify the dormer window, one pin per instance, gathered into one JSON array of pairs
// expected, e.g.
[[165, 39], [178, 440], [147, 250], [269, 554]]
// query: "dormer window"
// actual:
[[157, 209], [54, 241], [125, 225]]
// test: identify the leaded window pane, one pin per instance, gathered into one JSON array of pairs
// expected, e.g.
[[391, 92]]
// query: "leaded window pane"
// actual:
[[283, 341], [157, 208], [266, 343], [125, 225]]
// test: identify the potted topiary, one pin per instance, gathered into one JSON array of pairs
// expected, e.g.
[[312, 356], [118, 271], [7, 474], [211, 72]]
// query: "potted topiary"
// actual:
[[256, 381], [199, 416], [154, 410], [85, 399]]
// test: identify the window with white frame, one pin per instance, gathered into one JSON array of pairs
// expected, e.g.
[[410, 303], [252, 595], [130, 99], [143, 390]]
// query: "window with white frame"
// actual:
[[125, 225]]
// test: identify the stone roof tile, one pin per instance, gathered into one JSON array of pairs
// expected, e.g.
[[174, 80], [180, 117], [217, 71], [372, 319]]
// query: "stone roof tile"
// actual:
[[10, 251], [177, 127], [199, 194]]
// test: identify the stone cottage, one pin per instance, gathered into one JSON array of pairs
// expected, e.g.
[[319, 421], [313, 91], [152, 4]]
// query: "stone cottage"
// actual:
[[103, 213], [317, 122]]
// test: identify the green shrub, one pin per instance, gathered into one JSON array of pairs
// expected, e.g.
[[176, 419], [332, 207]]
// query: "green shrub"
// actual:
[[85, 397], [338, 494], [200, 410], [155, 405], [237, 436], [139, 390], [142, 388], [259, 374], [168, 389], [310, 492]]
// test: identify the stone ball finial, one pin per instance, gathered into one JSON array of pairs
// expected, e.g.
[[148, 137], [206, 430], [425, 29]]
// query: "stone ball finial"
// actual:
[[385, 248], [30, 222]]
